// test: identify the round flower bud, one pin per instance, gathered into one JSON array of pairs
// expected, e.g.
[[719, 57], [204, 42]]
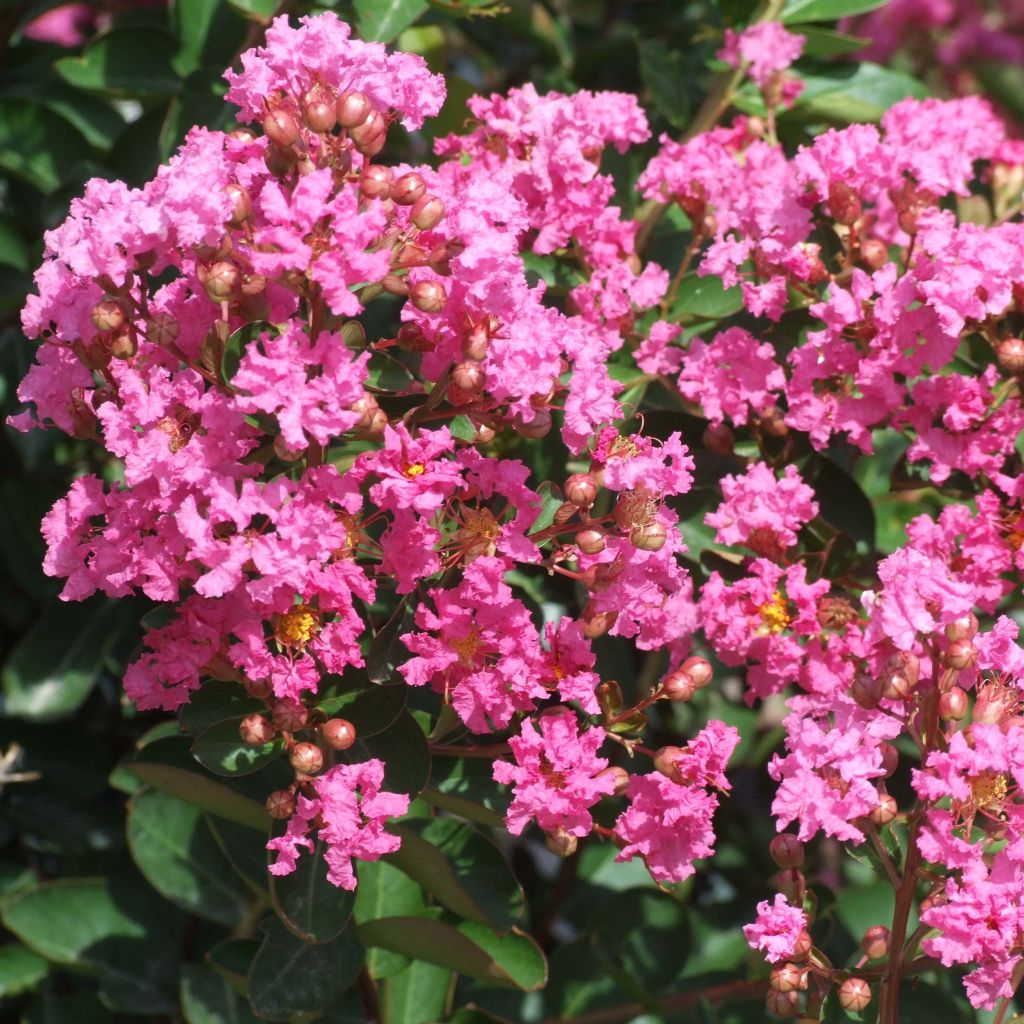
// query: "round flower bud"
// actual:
[[394, 285], [161, 329], [258, 688], [427, 212], [803, 945], [854, 994], [339, 733], [666, 761], [773, 422], [283, 452], [719, 440], [483, 433], [874, 253], [306, 758], [352, 109], [619, 776], [408, 188], [953, 704], [370, 136], [318, 109], [469, 378], [376, 181], [412, 338], [428, 296], [290, 716], [409, 255], [108, 315], [890, 758], [255, 730], [961, 654], [279, 161], [222, 280], [594, 623], [963, 628], [787, 851], [281, 128], [886, 810], [783, 1004], [123, 345], [590, 540], [280, 804], [843, 203], [698, 669], [476, 342], [241, 209], [679, 686], [787, 978], [537, 427], [1010, 355], [875, 942], [896, 686], [792, 884], [649, 537], [581, 490], [561, 843], [374, 427], [353, 333]]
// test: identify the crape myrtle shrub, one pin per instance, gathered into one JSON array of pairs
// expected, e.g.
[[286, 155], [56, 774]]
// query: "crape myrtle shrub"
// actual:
[[558, 546]]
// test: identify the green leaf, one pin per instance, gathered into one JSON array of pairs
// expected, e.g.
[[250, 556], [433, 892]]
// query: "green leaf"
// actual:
[[174, 848], [705, 298], [824, 42], [246, 852], [38, 145], [462, 869], [232, 960], [209, 32], [370, 707], [167, 766], [404, 751], [130, 62], [54, 667], [49, 1007], [217, 701], [291, 976], [208, 998], [105, 927], [386, 373], [462, 428], [842, 503], [416, 995], [664, 73], [385, 649], [465, 786], [238, 342], [551, 501], [382, 20], [262, 11], [825, 10], [512, 961], [848, 93], [308, 904], [94, 117], [21, 970], [221, 749]]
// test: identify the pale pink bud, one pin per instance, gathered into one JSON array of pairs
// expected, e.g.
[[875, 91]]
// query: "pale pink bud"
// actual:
[[666, 761], [854, 994], [124, 345], [787, 851], [561, 843], [953, 704], [773, 422], [318, 109], [698, 669], [469, 378], [896, 686], [890, 758], [590, 540], [783, 1004], [108, 315], [961, 654], [283, 452], [843, 203], [679, 686], [352, 109], [874, 253], [281, 128], [289, 715], [370, 136], [241, 209], [787, 978], [1010, 355], [875, 942], [161, 329], [412, 338], [581, 490], [255, 730], [408, 188], [886, 810], [594, 623], [376, 181], [538, 426], [428, 296], [803, 946], [427, 212], [395, 285], [306, 758], [620, 777], [280, 804], [963, 628], [339, 733], [222, 280], [649, 536]]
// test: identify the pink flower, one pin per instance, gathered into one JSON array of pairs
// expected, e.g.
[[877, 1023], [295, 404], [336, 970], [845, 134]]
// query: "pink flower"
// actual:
[[556, 775], [766, 46], [777, 929]]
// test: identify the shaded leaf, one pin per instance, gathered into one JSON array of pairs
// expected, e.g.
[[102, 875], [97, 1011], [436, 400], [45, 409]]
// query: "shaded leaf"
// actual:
[[134, 62], [383, 890], [21, 969], [825, 10], [370, 707], [221, 749], [404, 751], [216, 701], [308, 904], [208, 998], [382, 20], [37, 144], [848, 92], [705, 298], [664, 73], [416, 995]]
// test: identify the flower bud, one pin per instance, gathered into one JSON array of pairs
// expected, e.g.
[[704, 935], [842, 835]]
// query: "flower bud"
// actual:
[[649, 536], [961, 654], [581, 490], [281, 128], [787, 978], [376, 181], [108, 315], [483, 433], [699, 669], [124, 345], [411, 338], [377, 420], [395, 285], [666, 761], [963, 628], [773, 422], [875, 942], [594, 623], [719, 439], [560, 842], [679, 686], [258, 688], [476, 342], [352, 109], [83, 419], [370, 136], [408, 188], [279, 161], [890, 758], [409, 255], [886, 810], [306, 758], [620, 777], [803, 946], [843, 203], [953, 704], [290, 715], [590, 540], [896, 686], [782, 1004], [222, 280], [255, 730], [469, 378], [538, 426], [241, 209], [792, 884], [866, 691], [1010, 355], [427, 212], [161, 329], [874, 253], [280, 804], [353, 333], [318, 109], [339, 733], [854, 994], [787, 851], [283, 452], [428, 296]]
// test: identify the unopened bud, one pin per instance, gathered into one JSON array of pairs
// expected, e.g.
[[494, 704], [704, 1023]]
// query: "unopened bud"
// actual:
[[221, 281], [376, 181], [395, 285], [719, 439], [561, 843], [476, 342], [875, 942], [427, 212], [353, 333], [792, 884], [370, 136], [538, 426], [963, 628], [581, 490], [352, 109], [649, 536], [843, 203], [896, 686], [108, 315], [666, 761], [679, 686], [886, 810], [788, 978], [241, 209], [890, 758], [161, 329], [619, 776], [594, 623], [787, 851], [339, 733], [306, 758], [590, 540], [428, 296], [854, 994], [961, 654], [284, 452], [699, 669], [803, 945], [290, 715], [412, 338], [280, 804], [469, 378], [408, 188], [1010, 355], [866, 691], [281, 128], [953, 704], [874, 253], [124, 345], [255, 730], [261, 689], [318, 109], [783, 1004]]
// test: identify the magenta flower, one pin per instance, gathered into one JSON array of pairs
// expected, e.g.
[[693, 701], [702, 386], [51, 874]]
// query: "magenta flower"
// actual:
[[776, 930]]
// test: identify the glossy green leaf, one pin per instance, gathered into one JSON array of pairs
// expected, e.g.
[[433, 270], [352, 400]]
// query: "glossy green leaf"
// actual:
[[246, 852], [105, 926], [551, 501], [53, 1007], [465, 786], [208, 998], [842, 503], [824, 42], [664, 73], [38, 145], [382, 20], [462, 869], [370, 707], [291, 976], [21, 969], [221, 750], [93, 116], [209, 34], [307, 903], [232, 960], [167, 766], [403, 749], [850, 92], [826, 10], [512, 960], [216, 701], [383, 891], [174, 848], [462, 428], [385, 649], [416, 995], [132, 62], [54, 667], [705, 298], [262, 11]]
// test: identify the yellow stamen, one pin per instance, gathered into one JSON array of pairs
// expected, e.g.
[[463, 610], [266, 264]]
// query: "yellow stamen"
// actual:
[[415, 470], [774, 614], [989, 790], [466, 646], [296, 628]]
